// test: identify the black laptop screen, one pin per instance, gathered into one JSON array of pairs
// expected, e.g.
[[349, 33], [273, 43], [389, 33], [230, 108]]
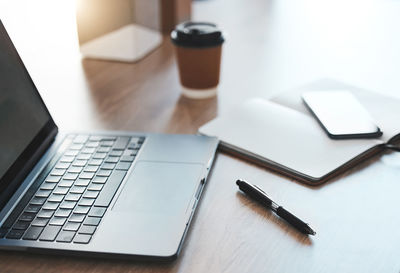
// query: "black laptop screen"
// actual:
[[24, 119]]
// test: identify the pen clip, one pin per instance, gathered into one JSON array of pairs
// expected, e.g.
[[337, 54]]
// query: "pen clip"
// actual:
[[258, 188], [274, 206]]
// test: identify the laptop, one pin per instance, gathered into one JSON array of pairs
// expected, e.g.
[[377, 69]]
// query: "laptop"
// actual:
[[103, 194]]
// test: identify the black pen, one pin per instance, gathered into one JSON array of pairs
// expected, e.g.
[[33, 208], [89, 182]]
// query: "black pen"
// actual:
[[260, 196]]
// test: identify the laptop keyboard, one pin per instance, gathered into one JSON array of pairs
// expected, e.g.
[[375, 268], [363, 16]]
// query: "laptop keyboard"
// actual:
[[68, 200]]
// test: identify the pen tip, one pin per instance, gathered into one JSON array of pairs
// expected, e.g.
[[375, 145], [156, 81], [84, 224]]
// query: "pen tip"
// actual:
[[311, 231]]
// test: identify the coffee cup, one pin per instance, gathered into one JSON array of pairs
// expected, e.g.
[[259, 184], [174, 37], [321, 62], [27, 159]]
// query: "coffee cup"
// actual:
[[198, 50]]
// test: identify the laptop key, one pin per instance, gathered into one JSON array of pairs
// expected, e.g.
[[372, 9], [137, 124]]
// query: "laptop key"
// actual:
[[107, 166], [73, 197], [71, 226], [82, 182], [33, 233], [97, 212], [68, 205], [77, 218], [37, 201], [40, 222], [95, 162], [127, 158], [123, 166], [72, 152], [65, 236], [33, 208], [15, 234], [87, 230], [127, 152], [92, 221], [50, 206], [116, 153], [108, 138], [56, 198], [86, 202], [92, 144], [48, 186], [67, 159], [95, 187], [91, 194], [110, 188], [104, 173], [53, 178], [91, 168], [79, 163], [71, 176], [111, 159], [57, 172], [21, 225], [99, 155], [57, 221], [50, 233], [76, 146], [136, 140], [83, 156], [82, 238], [61, 190], [77, 189], [86, 175], [43, 193], [63, 213], [103, 149], [81, 210], [133, 152], [99, 179], [66, 183], [75, 169], [88, 150], [27, 217], [107, 143], [62, 165], [121, 143], [45, 214], [133, 145]]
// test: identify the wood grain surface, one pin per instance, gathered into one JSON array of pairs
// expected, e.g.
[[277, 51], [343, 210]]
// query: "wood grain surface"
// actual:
[[271, 46]]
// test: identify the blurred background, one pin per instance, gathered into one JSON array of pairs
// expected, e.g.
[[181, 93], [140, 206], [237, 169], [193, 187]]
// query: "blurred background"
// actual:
[[272, 46]]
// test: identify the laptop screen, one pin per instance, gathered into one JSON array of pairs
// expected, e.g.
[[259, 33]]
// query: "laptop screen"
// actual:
[[24, 119]]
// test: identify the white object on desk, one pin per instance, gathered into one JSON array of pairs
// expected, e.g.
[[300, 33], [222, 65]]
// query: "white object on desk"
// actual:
[[127, 44]]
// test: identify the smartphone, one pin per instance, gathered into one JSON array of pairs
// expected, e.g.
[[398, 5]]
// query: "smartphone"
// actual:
[[340, 114]]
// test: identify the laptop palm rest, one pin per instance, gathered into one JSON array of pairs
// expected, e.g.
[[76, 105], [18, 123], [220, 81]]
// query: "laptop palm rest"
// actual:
[[159, 187], [150, 214]]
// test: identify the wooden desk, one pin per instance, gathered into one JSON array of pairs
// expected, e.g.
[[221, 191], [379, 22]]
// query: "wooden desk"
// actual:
[[271, 46]]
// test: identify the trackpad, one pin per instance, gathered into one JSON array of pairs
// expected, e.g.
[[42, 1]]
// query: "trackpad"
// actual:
[[159, 187]]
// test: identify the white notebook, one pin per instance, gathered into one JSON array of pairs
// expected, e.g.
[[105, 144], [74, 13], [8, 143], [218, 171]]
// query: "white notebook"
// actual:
[[282, 135]]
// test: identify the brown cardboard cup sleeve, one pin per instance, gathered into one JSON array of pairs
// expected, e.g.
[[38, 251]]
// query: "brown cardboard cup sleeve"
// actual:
[[198, 49]]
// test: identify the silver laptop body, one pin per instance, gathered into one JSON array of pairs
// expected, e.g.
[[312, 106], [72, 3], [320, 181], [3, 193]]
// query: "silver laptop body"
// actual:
[[104, 194]]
